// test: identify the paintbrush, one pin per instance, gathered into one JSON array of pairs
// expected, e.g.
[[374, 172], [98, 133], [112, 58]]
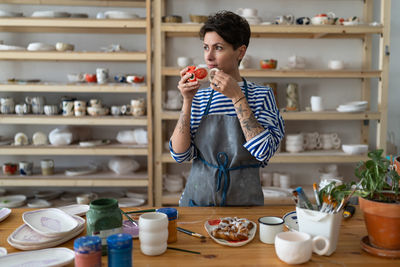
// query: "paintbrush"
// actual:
[[141, 211], [129, 218], [184, 250], [188, 232]]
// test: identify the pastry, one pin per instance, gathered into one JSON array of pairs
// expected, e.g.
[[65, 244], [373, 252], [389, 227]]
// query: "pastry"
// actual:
[[233, 229]]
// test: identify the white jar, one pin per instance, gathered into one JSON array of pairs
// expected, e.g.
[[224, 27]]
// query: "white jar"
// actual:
[[153, 233]]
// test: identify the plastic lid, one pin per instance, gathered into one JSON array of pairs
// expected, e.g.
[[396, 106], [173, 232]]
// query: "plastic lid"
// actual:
[[119, 241], [172, 213], [87, 244]]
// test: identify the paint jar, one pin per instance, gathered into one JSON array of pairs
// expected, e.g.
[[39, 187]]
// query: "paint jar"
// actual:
[[104, 219], [172, 216], [87, 251], [119, 250]]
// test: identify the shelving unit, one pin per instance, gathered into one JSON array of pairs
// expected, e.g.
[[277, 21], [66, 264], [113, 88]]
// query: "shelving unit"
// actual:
[[87, 26], [364, 32]]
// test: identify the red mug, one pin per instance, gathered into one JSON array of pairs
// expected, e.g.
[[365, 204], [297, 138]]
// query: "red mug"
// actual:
[[10, 168], [91, 78], [268, 63]]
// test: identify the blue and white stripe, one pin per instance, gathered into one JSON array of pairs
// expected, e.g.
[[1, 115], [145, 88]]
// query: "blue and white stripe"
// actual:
[[261, 101]]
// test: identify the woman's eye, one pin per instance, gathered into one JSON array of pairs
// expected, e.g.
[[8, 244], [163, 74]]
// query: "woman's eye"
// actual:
[[218, 48], [205, 47]]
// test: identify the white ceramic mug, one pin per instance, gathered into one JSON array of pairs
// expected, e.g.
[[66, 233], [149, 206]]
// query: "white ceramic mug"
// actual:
[[336, 64], [68, 107], [37, 103], [276, 178], [7, 105], [116, 110], [47, 166], [79, 108], [269, 227], [153, 233], [25, 167], [297, 247], [50, 109], [183, 62], [102, 75], [285, 180], [247, 12], [316, 103]]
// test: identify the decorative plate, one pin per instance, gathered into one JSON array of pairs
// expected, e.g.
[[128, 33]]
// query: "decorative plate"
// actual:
[[291, 223], [25, 238], [50, 222], [4, 213], [75, 209], [212, 224], [12, 201], [51, 257]]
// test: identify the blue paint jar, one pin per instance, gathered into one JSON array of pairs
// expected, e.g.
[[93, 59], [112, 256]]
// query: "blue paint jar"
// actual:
[[87, 251], [119, 250]]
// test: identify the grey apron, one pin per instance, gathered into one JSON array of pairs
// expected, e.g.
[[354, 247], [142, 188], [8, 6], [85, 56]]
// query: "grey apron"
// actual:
[[224, 172]]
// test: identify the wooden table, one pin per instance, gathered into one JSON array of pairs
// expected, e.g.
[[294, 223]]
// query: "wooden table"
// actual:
[[256, 253]]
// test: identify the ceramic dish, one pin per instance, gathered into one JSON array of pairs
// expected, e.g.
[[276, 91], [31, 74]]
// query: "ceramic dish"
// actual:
[[50, 14], [291, 223], [11, 47], [3, 251], [357, 104], [129, 228], [344, 108], [130, 202], [4, 213], [137, 195], [51, 257], [355, 149], [119, 15], [94, 143], [12, 201], [381, 252], [75, 209], [50, 222], [212, 224], [47, 195], [80, 171], [39, 203], [10, 14], [40, 47], [24, 236]]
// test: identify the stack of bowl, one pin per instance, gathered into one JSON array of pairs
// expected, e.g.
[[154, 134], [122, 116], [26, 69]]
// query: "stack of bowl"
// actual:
[[294, 143]]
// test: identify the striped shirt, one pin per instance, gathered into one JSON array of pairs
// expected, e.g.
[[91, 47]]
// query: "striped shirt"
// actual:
[[261, 101]]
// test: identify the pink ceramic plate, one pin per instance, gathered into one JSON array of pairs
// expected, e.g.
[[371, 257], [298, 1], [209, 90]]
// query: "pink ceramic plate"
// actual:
[[212, 224], [46, 257]]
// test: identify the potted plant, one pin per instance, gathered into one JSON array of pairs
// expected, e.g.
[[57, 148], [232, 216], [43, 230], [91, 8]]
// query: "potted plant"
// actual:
[[379, 200]]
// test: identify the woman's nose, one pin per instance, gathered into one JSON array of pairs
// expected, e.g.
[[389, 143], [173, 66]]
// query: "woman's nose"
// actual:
[[209, 55]]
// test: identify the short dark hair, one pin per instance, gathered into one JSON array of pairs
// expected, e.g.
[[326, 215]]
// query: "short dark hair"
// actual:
[[233, 28]]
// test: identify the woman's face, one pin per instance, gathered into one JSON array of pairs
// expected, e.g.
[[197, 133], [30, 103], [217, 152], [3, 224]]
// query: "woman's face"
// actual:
[[220, 54]]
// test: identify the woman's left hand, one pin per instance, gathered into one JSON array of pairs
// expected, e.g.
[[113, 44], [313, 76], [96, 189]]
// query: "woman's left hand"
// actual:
[[226, 85]]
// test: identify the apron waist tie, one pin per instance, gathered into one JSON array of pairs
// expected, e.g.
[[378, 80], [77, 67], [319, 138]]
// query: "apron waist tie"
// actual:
[[222, 160]]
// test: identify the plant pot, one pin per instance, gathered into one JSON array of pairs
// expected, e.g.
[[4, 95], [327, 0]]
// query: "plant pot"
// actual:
[[383, 223]]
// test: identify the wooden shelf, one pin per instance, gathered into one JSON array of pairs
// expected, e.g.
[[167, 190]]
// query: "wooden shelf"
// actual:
[[304, 115], [73, 25], [99, 3], [295, 73], [73, 120], [314, 156], [281, 31], [76, 150], [73, 56], [73, 88], [107, 179]]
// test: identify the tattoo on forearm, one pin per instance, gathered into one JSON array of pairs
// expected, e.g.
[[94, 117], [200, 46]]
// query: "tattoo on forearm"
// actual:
[[250, 126], [183, 123]]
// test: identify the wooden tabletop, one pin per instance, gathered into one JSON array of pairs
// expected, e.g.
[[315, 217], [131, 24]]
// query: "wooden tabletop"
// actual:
[[255, 253]]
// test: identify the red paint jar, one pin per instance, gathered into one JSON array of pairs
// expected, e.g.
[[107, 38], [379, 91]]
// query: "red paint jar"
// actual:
[[87, 251]]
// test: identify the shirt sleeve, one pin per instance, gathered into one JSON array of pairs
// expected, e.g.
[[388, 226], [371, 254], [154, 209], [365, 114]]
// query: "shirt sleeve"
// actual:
[[264, 145], [188, 155]]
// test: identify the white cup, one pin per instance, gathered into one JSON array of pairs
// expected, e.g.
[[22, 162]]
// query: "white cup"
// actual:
[[247, 12], [153, 233], [336, 64], [102, 75], [316, 103], [184, 61], [269, 228], [276, 179], [50, 110], [297, 247], [285, 180], [47, 166]]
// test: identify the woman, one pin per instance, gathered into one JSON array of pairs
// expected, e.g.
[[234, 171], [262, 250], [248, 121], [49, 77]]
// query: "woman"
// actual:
[[229, 129]]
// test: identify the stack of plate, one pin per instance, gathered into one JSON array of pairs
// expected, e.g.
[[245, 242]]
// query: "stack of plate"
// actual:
[[12, 201], [355, 106], [45, 228], [44, 257]]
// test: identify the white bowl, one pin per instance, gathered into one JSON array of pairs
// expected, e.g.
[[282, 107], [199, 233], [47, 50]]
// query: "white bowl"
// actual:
[[40, 47], [114, 14], [95, 111], [355, 149], [8, 14], [50, 14], [11, 47]]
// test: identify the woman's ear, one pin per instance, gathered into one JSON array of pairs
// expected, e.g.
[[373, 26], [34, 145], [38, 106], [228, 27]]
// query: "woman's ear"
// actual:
[[242, 51]]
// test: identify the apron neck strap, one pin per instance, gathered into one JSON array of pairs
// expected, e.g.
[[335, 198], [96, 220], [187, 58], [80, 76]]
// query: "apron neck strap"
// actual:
[[212, 93]]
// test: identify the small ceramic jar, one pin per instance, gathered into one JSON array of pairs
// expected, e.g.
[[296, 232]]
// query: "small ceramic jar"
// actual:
[[10, 168], [153, 233]]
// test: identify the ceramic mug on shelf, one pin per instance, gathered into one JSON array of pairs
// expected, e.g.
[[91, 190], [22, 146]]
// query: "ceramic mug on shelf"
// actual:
[[247, 12], [37, 103], [68, 107], [7, 105], [50, 110], [316, 104], [10, 168], [47, 166], [95, 103], [25, 167], [102, 75], [153, 233], [79, 108]]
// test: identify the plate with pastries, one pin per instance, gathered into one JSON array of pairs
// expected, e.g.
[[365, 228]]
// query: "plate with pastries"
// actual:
[[233, 232]]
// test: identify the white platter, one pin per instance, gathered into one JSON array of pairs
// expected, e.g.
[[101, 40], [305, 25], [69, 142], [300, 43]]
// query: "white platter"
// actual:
[[136, 195], [130, 202], [4, 213], [92, 143], [12, 201], [40, 47], [11, 47], [343, 108], [10, 14], [50, 222], [75, 209], [114, 14], [50, 14], [51, 257], [27, 239], [291, 222], [39, 203], [355, 149], [80, 171], [212, 224], [47, 195]]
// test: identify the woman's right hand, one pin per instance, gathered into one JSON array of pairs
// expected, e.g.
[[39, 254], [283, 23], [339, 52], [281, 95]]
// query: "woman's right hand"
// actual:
[[187, 89]]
